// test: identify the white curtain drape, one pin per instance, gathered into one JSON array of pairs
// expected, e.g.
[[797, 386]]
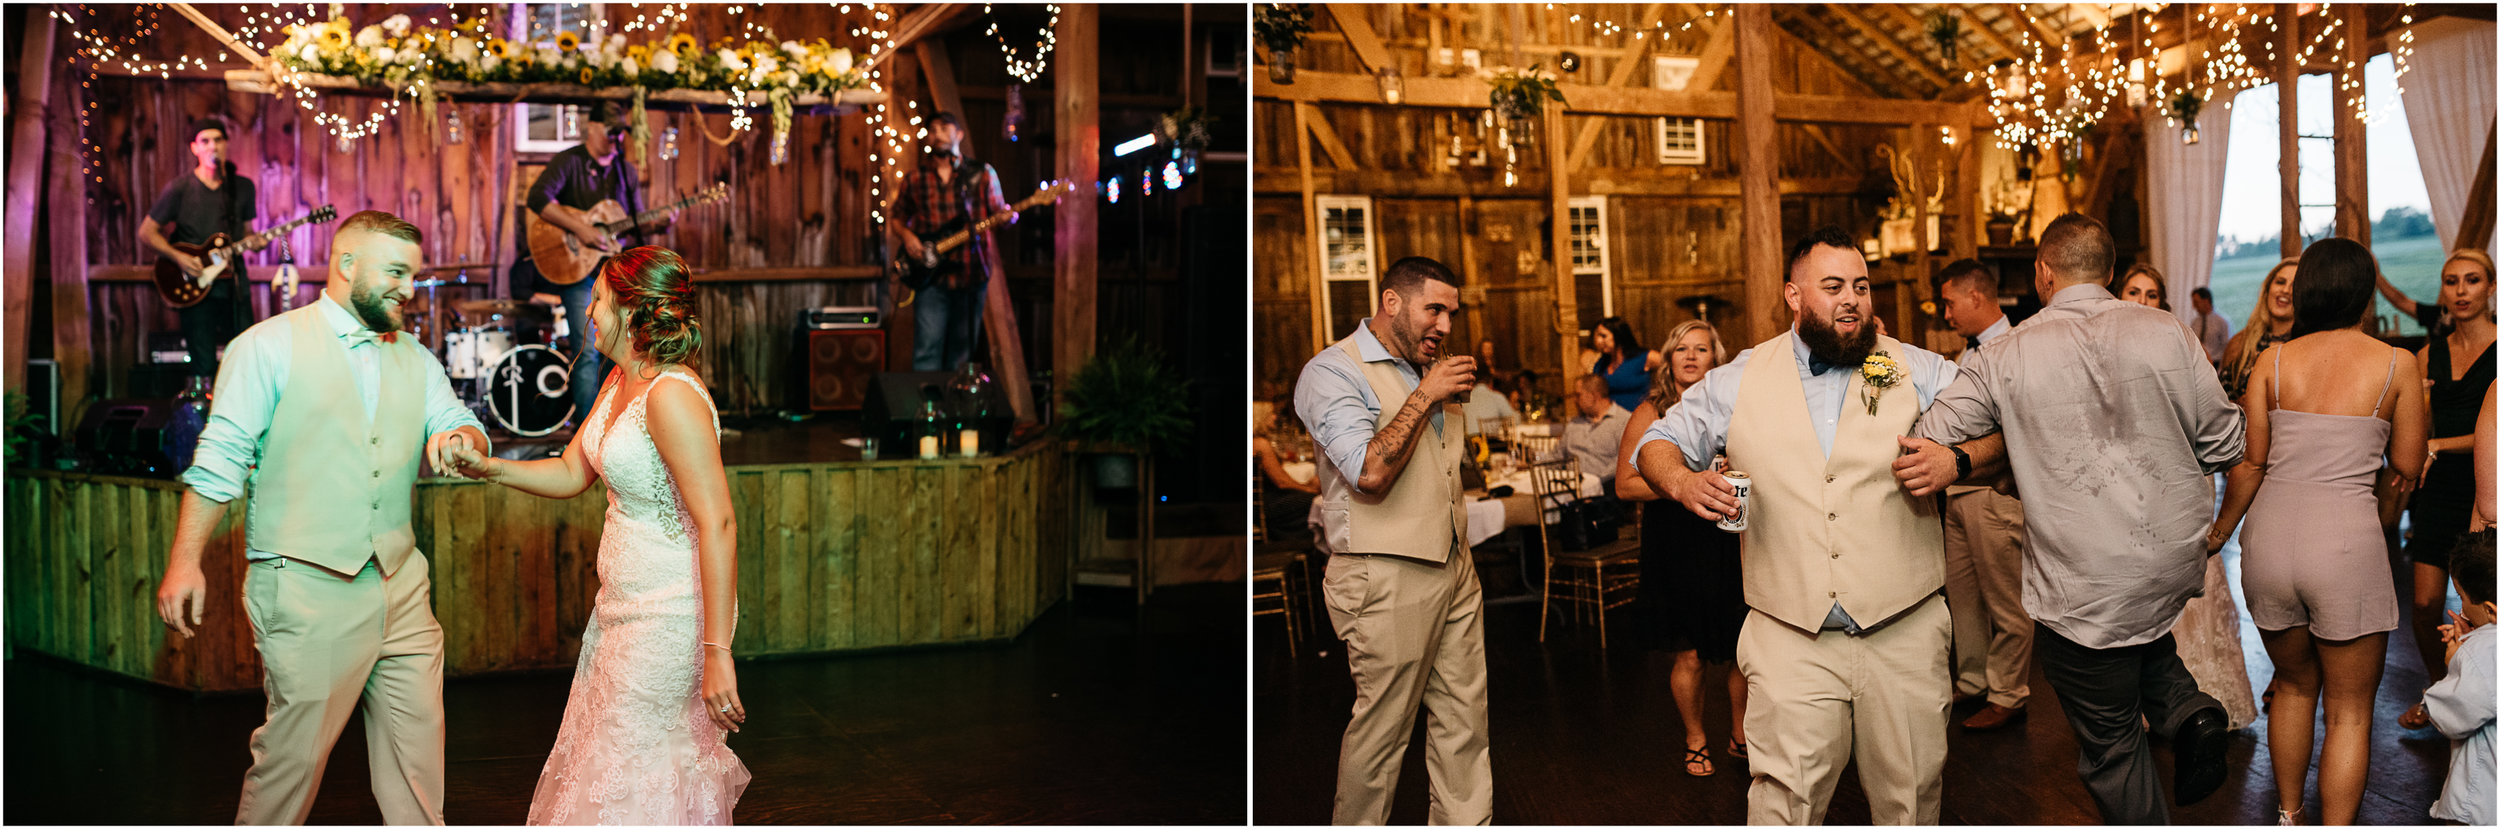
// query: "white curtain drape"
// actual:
[[2450, 107], [2183, 207]]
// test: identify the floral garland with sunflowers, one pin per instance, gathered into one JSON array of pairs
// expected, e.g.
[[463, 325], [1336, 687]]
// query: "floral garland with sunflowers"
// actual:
[[398, 54]]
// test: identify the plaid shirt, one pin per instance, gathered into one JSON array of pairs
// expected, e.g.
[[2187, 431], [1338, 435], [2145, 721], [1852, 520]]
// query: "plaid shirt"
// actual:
[[926, 204]]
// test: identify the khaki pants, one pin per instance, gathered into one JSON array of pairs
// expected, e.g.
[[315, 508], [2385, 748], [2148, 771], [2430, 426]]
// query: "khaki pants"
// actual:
[[1983, 581], [1414, 634], [330, 643], [1814, 700]]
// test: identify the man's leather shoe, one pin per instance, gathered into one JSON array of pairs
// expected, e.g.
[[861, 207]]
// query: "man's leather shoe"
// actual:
[[2197, 752], [1994, 717]]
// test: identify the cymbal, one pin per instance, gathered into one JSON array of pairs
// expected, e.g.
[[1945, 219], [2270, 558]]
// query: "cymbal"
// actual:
[[504, 307], [461, 266], [446, 283]]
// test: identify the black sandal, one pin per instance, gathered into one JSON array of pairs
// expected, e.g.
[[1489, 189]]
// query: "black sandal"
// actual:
[[1737, 750], [1700, 757]]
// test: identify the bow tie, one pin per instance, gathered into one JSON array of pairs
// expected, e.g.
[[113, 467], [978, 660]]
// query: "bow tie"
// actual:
[[367, 335], [1818, 366], [1970, 343]]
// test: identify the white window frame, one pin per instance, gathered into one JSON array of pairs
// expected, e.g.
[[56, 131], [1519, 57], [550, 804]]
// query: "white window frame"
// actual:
[[1604, 273], [1367, 270], [568, 116], [1672, 73]]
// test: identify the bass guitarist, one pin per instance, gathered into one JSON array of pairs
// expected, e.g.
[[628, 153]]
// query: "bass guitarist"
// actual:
[[574, 181], [211, 200], [947, 187]]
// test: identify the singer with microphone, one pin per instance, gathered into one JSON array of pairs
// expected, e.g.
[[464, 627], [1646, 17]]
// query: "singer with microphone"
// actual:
[[209, 201]]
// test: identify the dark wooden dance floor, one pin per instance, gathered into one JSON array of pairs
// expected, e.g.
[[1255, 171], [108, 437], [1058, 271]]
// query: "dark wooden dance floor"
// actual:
[[1097, 714], [1584, 739]]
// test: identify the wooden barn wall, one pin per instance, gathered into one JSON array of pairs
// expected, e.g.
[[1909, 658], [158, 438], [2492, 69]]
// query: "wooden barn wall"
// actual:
[[1672, 229]]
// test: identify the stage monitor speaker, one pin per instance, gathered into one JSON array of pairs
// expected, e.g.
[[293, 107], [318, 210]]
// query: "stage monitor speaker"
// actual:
[[839, 365], [43, 393], [155, 380], [892, 410], [129, 436]]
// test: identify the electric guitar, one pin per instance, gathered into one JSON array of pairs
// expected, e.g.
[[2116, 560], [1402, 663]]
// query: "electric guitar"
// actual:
[[217, 259], [933, 265], [564, 258]]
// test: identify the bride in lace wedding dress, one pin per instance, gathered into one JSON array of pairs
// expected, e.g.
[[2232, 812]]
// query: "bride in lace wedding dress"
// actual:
[[655, 690]]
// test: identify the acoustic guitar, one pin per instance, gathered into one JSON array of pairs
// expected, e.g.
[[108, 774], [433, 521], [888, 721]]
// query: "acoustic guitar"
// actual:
[[933, 264], [565, 259], [217, 259]]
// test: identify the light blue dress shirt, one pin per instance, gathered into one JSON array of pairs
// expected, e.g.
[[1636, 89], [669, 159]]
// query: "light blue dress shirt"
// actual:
[[255, 371], [1697, 425], [1337, 404], [2461, 706]]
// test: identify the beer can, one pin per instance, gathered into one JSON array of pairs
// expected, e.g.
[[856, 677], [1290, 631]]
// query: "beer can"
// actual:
[[1744, 501]]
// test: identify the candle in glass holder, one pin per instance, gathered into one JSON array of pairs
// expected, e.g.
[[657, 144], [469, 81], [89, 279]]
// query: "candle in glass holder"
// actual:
[[970, 443], [928, 447]]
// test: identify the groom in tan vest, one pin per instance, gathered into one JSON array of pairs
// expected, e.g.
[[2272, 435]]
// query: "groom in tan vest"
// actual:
[[1386, 409], [1844, 652], [332, 405]]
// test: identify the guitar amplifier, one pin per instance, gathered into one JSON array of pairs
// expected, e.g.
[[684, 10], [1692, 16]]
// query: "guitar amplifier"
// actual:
[[129, 436], [837, 365], [839, 318]]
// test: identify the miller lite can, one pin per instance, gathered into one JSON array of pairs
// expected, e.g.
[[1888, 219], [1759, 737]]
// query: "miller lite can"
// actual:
[[1744, 501]]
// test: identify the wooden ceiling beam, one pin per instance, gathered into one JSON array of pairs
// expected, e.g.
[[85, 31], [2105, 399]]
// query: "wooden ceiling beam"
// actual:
[[1358, 36], [1625, 70], [1913, 31], [1714, 57], [1893, 82], [2006, 47], [1471, 94], [2021, 15], [1886, 42], [1798, 46]]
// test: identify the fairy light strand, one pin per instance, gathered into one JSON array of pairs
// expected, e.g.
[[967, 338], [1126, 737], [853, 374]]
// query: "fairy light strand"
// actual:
[[1046, 39]]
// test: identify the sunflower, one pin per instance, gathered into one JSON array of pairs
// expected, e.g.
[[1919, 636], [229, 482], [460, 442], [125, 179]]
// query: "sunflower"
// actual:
[[333, 38], [639, 52], [567, 41], [585, 76], [499, 47], [681, 43]]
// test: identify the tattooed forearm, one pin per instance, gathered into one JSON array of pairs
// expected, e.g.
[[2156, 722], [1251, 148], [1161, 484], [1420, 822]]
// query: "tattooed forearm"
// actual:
[[1384, 459]]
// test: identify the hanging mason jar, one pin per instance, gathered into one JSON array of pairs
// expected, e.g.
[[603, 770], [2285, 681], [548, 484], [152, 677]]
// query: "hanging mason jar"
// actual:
[[1014, 120], [668, 144], [451, 127], [781, 146], [1280, 66]]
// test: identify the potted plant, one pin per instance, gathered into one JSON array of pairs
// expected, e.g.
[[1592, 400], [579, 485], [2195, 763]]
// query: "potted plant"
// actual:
[[1945, 28], [1519, 96], [1190, 130], [2005, 201], [2184, 109], [1125, 397], [1281, 27]]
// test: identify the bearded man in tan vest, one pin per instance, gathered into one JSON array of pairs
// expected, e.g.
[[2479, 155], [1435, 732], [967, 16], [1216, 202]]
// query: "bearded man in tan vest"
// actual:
[[1401, 587], [332, 405], [1844, 650]]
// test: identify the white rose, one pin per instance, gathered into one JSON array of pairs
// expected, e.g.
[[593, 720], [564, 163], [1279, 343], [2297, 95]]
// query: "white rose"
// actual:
[[766, 64], [840, 62], [616, 43], [548, 56], [369, 37], [755, 77], [787, 78], [488, 62], [627, 66], [310, 54], [385, 55], [396, 24], [411, 56], [730, 60], [463, 50], [664, 61]]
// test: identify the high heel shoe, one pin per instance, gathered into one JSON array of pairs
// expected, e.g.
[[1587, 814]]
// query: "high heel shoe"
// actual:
[[2283, 818]]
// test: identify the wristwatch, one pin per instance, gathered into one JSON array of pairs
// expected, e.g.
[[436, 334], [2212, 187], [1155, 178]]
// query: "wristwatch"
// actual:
[[1961, 462]]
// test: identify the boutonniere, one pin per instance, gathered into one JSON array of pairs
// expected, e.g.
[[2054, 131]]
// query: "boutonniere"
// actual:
[[1879, 371]]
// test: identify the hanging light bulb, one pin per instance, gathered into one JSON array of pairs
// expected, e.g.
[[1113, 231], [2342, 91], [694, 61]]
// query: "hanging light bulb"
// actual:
[[451, 127]]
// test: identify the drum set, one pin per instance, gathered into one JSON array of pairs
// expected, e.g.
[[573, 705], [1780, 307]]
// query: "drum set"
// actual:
[[507, 358]]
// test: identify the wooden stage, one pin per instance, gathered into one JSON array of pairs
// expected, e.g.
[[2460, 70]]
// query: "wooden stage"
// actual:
[[833, 556]]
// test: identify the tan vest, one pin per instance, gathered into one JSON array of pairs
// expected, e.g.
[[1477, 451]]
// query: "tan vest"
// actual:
[[330, 490], [1837, 530], [1421, 516]]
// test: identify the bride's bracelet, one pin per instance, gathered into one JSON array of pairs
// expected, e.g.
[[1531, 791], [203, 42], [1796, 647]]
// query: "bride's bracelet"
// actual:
[[723, 648]]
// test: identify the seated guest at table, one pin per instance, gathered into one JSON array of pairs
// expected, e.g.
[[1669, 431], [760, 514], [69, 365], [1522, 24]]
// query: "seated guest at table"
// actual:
[[1287, 498], [1617, 355], [1486, 406], [1401, 586], [2142, 284], [1845, 650], [2212, 331], [2268, 324], [2461, 704], [1522, 389], [2320, 426], [1593, 436], [1696, 603]]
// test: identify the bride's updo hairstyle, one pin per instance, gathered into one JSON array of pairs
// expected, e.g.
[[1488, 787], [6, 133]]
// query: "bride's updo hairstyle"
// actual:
[[655, 303]]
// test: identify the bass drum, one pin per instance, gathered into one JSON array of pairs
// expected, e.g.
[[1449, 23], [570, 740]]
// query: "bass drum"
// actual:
[[529, 391]]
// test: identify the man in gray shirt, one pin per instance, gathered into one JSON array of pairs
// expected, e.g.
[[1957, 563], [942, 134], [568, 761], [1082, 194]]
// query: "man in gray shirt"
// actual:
[[1595, 434], [2113, 423]]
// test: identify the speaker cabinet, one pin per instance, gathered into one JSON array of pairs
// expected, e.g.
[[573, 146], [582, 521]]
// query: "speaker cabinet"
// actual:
[[839, 364]]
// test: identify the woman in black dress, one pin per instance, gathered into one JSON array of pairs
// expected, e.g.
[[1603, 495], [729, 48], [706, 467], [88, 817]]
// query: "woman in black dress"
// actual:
[[1693, 600], [2458, 369]]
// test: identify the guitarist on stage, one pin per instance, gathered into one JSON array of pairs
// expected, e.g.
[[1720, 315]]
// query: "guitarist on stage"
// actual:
[[212, 199], [947, 186], [573, 182]]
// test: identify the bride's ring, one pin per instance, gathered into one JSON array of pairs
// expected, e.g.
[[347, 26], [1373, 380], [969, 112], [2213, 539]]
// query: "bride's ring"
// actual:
[[724, 709]]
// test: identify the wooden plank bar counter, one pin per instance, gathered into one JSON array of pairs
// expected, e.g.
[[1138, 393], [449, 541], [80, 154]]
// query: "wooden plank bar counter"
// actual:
[[832, 557]]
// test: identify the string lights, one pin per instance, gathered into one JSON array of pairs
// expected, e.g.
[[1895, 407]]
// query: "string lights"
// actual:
[[1028, 70], [1660, 28], [886, 142]]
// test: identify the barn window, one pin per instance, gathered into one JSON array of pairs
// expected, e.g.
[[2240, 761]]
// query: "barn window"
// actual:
[[1588, 247], [1351, 266], [1679, 141], [548, 128]]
